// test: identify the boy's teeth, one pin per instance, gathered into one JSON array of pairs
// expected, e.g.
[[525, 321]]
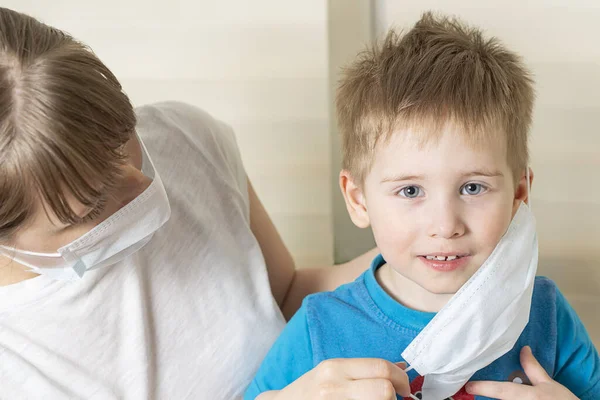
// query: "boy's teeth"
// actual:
[[441, 258]]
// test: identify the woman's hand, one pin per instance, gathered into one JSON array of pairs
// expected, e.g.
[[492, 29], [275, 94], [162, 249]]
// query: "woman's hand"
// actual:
[[543, 386], [344, 379]]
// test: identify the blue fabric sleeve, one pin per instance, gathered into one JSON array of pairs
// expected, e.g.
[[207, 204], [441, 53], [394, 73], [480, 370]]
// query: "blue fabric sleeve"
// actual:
[[290, 357], [577, 362]]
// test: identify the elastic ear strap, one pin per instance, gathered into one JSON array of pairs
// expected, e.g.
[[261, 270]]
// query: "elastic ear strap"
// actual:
[[528, 188], [412, 396]]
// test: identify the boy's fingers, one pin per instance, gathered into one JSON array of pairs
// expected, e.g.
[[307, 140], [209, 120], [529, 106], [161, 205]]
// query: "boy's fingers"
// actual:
[[365, 369], [534, 371], [382, 369], [371, 389], [402, 365], [499, 390], [506, 390]]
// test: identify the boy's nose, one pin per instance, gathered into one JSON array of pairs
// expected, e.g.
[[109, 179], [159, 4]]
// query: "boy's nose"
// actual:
[[446, 223]]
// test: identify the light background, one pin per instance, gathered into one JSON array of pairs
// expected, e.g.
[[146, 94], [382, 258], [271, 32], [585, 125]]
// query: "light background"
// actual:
[[269, 67]]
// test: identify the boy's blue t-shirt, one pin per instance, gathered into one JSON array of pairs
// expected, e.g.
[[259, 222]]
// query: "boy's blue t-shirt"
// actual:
[[360, 319]]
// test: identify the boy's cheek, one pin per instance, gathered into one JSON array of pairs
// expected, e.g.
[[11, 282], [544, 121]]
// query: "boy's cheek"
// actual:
[[493, 224], [487, 236], [393, 240]]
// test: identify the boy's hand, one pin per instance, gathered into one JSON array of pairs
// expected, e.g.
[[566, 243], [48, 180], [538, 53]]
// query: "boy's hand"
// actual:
[[344, 379], [544, 387]]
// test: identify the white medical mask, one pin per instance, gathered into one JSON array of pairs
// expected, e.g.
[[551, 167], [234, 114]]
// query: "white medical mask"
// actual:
[[484, 319], [117, 237]]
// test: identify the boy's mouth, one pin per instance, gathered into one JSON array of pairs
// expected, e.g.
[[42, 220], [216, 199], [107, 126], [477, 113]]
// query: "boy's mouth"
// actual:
[[445, 262], [442, 258]]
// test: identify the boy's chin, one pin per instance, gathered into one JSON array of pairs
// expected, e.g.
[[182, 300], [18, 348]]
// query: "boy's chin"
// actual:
[[448, 284], [444, 288]]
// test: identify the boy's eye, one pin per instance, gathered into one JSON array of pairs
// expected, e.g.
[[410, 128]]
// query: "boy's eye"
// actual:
[[410, 192], [472, 189]]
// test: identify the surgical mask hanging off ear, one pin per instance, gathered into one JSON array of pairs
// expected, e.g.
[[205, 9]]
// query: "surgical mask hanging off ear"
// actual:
[[119, 236], [485, 318]]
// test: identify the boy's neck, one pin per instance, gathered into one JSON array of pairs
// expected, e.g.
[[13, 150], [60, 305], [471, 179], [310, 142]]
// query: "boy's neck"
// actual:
[[408, 293]]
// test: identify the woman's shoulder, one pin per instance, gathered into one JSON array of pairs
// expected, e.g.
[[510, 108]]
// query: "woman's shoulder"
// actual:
[[176, 111], [188, 144], [174, 118]]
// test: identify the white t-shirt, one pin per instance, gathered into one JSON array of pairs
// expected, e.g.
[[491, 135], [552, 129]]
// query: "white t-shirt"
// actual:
[[189, 316]]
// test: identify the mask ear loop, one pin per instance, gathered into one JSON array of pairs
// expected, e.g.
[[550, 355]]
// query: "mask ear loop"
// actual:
[[412, 396], [528, 188]]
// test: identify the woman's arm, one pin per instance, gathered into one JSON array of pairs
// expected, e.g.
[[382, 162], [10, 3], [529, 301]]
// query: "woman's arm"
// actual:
[[288, 285], [321, 279], [279, 261]]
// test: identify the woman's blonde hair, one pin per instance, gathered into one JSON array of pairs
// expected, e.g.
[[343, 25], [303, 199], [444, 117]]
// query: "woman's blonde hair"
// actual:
[[441, 71], [64, 121]]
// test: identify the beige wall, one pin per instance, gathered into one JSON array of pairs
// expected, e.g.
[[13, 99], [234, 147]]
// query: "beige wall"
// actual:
[[351, 28], [268, 68], [557, 39], [260, 66]]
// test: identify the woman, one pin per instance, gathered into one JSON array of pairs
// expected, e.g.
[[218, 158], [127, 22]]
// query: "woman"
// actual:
[[136, 260]]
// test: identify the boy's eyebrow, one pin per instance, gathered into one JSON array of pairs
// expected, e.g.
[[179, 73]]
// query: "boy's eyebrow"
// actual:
[[398, 178], [484, 172], [479, 172]]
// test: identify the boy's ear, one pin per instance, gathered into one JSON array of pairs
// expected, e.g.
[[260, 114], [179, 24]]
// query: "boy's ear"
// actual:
[[355, 200], [522, 193]]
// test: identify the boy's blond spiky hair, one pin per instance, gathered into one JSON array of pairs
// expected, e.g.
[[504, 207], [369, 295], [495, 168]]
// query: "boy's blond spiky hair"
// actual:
[[439, 72]]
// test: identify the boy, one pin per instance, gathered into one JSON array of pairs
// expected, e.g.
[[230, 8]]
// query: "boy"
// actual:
[[435, 127]]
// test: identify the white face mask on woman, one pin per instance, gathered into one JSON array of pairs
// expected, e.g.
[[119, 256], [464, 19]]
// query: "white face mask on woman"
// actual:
[[117, 237], [484, 319]]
